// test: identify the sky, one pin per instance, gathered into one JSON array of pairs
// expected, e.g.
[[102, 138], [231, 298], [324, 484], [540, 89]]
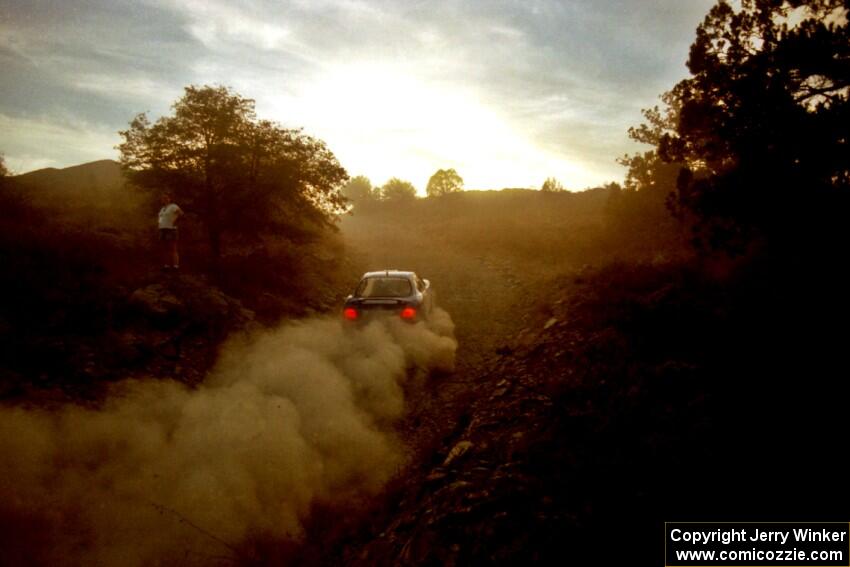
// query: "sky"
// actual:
[[508, 93]]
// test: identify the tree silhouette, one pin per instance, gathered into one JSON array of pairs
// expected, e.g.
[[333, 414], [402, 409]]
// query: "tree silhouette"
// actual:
[[552, 185], [444, 181], [764, 119], [241, 176], [359, 190], [398, 190], [647, 172], [4, 171]]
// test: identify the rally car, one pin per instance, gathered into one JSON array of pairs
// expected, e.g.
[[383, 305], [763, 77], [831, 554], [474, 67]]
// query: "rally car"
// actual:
[[390, 293]]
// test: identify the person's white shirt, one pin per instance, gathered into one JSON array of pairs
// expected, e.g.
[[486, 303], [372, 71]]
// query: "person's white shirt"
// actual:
[[168, 216]]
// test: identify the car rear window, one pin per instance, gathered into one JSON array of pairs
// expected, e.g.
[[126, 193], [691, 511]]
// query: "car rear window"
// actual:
[[384, 287]]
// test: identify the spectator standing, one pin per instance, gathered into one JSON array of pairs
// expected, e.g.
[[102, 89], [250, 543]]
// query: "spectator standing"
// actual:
[[169, 214]]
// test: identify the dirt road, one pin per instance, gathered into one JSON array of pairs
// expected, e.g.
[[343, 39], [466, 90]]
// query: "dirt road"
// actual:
[[493, 298], [487, 294]]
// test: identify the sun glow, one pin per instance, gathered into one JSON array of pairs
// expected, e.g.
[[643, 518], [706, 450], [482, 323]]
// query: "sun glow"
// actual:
[[385, 121]]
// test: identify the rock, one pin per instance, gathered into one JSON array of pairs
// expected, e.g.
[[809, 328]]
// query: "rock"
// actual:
[[458, 451], [498, 392], [156, 301], [435, 476], [209, 303], [526, 338]]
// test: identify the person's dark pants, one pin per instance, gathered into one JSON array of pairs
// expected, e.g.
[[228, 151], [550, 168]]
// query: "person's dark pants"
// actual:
[[168, 237]]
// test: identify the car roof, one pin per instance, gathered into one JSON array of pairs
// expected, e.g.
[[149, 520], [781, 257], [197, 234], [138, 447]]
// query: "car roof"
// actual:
[[390, 273]]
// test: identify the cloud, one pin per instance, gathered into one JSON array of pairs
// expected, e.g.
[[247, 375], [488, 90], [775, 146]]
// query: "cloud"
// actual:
[[215, 23], [139, 88], [32, 143], [565, 79]]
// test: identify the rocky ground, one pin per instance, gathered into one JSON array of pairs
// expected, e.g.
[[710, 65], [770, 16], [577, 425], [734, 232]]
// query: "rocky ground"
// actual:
[[168, 326], [517, 476], [590, 407], [483, 484]]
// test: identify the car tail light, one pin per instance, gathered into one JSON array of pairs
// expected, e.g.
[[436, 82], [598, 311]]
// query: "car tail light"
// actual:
[[408, 313], [350, 313]]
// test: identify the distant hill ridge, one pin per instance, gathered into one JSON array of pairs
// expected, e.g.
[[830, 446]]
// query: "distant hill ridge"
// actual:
[[101, 175], [94, 195]]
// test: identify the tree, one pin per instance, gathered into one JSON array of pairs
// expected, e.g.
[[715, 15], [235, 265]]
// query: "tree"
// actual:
[[647, 172], [4, 173], [241, 176], [359, 190], [398, 190], [764, 122], [552, 185], [444, 181]]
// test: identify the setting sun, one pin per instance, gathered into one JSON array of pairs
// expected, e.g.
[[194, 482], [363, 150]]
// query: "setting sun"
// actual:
[[390, 122]]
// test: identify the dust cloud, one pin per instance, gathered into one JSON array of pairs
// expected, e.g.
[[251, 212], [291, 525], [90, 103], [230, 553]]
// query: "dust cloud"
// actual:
[[163, 474]]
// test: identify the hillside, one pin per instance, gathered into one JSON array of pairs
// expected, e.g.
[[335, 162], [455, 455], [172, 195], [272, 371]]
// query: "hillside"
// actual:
[[91, 306], [597, 387], [93, 196], [100, 177], [601, 404], [595, 399], [93, 314]]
